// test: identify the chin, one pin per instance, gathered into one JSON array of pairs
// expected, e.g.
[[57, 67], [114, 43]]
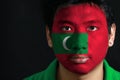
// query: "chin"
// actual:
[[79, 70]]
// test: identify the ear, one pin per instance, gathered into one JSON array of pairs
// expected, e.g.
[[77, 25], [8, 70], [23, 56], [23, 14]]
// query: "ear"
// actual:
[[48, 37], [112, 35]]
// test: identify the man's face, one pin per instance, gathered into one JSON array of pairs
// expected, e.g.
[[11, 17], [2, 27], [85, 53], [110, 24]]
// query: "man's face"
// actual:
[[80, 37]]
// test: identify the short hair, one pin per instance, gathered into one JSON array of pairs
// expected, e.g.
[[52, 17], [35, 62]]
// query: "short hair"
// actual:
[[50, 7]]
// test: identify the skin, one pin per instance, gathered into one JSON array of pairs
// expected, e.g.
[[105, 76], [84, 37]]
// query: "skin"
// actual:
[[98, 40]]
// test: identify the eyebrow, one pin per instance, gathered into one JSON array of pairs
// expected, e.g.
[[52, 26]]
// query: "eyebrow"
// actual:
[[86, 22], [66, 21], [92, 21]]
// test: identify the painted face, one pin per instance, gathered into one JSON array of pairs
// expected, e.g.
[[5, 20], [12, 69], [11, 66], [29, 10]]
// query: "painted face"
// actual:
[[80, 37]]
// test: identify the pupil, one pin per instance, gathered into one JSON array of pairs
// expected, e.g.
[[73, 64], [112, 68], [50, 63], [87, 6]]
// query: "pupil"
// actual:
[[67, 27], [92, 27]]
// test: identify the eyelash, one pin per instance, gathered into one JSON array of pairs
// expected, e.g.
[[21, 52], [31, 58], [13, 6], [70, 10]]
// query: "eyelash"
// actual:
[[66, 28], [69, 29], [92, 28]]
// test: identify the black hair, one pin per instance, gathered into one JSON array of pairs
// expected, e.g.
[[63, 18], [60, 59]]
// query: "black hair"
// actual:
[[50, 7]]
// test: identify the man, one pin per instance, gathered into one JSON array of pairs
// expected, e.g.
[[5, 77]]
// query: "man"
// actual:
[[80, 32]]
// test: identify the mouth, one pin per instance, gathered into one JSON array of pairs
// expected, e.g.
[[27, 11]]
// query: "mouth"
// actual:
[[79, 59]]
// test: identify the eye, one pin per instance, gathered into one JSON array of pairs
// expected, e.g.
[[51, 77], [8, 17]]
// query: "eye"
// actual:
[[92, 28], [66, 28]]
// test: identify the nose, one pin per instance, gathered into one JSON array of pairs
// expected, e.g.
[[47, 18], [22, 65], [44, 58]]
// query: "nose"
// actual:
[[76, 48], [79, 43], [79, 49]]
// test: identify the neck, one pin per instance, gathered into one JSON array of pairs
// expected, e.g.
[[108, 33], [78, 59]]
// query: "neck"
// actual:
[[95, 74]]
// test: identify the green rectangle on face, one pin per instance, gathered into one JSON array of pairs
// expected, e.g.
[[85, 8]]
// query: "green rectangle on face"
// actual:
[[76, 43]]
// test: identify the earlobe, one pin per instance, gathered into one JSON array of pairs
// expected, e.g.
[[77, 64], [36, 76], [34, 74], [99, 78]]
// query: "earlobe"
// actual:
[[48, 37], [112, 35]]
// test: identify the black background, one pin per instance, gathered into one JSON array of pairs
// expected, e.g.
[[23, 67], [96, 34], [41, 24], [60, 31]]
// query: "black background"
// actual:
[[24, 46]]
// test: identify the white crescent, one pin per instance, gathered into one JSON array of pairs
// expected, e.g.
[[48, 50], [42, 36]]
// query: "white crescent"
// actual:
[[64, 43]]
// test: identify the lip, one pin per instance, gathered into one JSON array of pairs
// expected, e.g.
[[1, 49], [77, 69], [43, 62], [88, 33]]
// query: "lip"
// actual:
[[79, 59]]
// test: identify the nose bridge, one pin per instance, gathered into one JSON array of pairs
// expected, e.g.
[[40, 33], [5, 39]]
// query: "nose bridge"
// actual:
[[80, 28], [80, 38]]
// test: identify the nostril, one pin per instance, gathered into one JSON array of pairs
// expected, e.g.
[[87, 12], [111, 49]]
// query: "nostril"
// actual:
[[78, 48], [83, 47]]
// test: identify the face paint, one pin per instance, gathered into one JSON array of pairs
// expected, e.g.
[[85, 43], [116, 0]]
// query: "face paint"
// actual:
[[80, 37], [70, 43]]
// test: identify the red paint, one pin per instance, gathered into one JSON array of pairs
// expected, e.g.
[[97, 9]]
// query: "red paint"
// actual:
[[79, 18]]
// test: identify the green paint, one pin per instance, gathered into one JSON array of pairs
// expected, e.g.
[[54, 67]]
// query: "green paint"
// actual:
[[76, 43]]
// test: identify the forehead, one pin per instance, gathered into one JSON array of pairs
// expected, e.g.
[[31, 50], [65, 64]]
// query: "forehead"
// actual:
[[81, 11]]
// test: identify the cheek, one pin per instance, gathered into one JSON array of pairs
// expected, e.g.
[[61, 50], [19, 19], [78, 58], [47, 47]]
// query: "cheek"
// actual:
[[62, 57], [98, 46]]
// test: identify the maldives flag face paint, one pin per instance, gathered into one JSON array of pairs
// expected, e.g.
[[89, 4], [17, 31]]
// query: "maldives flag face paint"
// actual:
[[67, 43], [80, 37]]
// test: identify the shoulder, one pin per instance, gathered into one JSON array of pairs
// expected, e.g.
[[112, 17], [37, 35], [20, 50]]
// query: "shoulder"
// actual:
[[45, 74], [36, 76], [110, 73], [115, 74]]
